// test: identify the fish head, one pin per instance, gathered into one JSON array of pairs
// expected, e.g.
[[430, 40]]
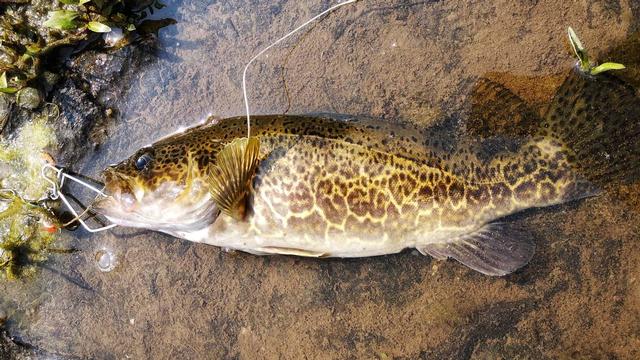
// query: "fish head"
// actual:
[[162, 187]]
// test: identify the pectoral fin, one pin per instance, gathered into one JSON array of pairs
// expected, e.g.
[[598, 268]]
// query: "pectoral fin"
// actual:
[[229, 178], [496, 249]]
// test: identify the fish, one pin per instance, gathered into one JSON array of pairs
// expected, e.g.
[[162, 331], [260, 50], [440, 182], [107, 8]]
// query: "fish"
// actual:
[[323, 186]]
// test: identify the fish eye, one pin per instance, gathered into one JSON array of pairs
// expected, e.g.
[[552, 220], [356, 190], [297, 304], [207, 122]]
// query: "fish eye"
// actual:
[[143, 161]]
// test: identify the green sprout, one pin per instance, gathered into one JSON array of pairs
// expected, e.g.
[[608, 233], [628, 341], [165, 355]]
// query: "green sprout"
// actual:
[[585, 64], [72, 19]]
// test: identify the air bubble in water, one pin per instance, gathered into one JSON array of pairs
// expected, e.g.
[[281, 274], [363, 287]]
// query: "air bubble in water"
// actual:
[[106, 260]]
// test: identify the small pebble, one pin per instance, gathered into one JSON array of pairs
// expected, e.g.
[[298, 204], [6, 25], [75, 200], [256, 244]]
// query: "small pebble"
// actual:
[[113, 37], [49, 79], [28, 98]]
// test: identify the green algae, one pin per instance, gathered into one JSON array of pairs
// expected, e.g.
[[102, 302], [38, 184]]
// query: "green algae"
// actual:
[[22, 159], [27, 225], [27, 231]]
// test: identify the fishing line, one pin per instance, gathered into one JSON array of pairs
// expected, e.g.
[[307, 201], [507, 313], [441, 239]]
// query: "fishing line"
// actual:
[[244, 73]]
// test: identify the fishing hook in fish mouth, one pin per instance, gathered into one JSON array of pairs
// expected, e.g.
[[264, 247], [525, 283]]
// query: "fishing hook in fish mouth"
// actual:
[[55, 193]]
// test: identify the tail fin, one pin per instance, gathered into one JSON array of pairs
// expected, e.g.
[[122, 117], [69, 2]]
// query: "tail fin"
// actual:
[[598, 119]]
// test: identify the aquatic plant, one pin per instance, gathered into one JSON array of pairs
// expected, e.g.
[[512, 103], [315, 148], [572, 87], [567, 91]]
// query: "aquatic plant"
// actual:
[[32, 36], [27, 224], [30, 32], [585, 63], [26, 232]]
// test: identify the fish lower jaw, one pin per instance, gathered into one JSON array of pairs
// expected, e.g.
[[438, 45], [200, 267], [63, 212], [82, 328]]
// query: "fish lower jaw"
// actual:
[[173, 221]]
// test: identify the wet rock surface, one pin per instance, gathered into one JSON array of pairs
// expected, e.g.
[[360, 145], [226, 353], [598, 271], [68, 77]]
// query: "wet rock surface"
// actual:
[[420, 62], [88, 95], [10, 350]]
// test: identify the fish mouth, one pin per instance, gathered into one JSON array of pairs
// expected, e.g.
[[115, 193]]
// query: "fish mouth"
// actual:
[[121, 208], [111, 208], [167, 208], [118, 199], [104, 205]]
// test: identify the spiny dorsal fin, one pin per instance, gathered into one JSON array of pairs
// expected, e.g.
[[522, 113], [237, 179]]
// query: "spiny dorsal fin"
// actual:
[[495, 249], [229, 177]]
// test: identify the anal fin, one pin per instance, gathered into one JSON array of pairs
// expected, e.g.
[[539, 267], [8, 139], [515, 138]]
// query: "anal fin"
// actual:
[[291, 251], [495, 249]]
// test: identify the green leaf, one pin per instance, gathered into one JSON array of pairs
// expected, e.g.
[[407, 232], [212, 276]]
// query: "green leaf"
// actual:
[[131, 27], [74, 2], [575, 41], [606, 67], [98, 27], [578, 49], [8, 90], [3, 80], [62, 19], [4, 87]]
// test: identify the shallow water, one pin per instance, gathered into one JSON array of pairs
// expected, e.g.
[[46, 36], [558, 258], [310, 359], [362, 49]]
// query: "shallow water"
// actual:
[[137, 294]]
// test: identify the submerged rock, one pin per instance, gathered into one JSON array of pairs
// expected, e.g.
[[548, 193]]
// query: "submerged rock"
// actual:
[[90, 91], [13, 349], [79, 114], [103, 74]]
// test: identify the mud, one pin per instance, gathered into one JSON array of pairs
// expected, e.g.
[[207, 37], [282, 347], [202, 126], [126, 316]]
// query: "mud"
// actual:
[[400, 61]]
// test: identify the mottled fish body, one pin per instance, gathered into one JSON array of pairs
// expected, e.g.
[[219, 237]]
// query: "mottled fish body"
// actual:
[[320, 187]]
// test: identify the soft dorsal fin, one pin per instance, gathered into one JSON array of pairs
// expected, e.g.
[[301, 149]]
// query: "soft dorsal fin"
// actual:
[[494, 110], [495, 249], [229, 178]]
